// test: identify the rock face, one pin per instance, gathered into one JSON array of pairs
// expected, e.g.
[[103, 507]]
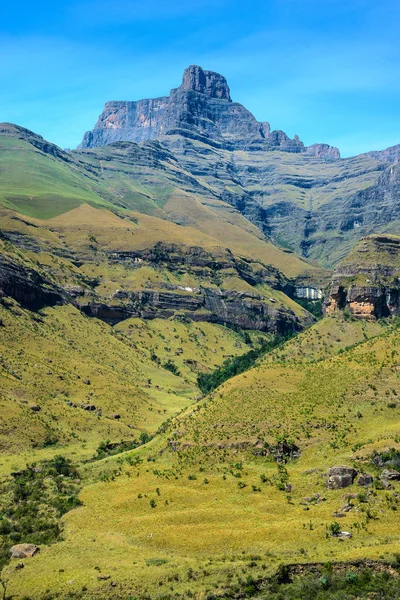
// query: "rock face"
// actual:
[[205, 82], [390, 155], [377, 205], [367, 283], [24, 550], [341, 477], [209, 302], [201, 108], [244, 310], [27, 286], [323, 151]]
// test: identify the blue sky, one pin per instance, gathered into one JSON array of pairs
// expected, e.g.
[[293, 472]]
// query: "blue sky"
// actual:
[[328, 70]]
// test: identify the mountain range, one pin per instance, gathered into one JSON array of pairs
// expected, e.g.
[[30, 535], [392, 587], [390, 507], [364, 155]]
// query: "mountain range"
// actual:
[[198, 353]]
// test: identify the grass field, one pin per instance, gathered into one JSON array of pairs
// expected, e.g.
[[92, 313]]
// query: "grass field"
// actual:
[[195, 509]]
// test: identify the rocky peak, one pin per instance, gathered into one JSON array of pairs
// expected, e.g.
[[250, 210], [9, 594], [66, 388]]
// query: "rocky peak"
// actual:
[[323, 151], [201, 108], [209, 83]]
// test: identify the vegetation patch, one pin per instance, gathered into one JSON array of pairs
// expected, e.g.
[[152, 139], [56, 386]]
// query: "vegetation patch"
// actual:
[[33, 500], [208, 382]]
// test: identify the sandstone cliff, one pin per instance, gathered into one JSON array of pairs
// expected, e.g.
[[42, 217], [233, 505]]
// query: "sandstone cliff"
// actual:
[[367, 283]]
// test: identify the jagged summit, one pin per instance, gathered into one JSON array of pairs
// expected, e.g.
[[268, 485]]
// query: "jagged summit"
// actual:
[[209, 83], [201, 108]]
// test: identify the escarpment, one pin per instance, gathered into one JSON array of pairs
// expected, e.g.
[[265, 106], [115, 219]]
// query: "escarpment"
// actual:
[[201, 108]]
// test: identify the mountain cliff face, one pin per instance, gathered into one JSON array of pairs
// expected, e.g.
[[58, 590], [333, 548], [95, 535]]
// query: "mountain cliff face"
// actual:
[[390, 155], [306, 199], [125, 231], [200, 108]]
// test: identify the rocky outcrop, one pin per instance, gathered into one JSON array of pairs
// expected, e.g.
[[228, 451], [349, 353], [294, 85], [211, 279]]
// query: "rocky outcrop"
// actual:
[[209, 83], [365, 479], [197, 260], [245, 310], [200, 108], [24, 550], [27, 286], [367, 283], [390, 155], [15, 131], [340, 477], [323, 151]]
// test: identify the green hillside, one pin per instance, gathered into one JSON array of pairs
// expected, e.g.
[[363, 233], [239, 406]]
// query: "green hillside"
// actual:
[[35, 184], [128, 289], [205, 505]]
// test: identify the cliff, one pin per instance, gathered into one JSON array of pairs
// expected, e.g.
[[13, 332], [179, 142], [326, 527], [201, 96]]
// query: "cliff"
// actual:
[[200, 108], [367, 282]]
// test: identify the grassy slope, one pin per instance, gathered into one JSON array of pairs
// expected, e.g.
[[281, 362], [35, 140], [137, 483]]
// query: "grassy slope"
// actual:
[[174, 194], [38, 185], [335, 408], [47, 357]]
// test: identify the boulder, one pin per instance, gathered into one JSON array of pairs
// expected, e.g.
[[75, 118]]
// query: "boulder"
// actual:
[[390, 475], [344, 535], [24, 550], [89, 407], [365, 479], [340, 477]]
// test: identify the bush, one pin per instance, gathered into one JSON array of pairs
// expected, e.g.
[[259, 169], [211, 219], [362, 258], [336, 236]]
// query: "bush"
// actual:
[[171, 366], [334, 528]]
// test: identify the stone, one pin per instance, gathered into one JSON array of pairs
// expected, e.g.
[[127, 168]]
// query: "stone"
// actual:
[[365, 479], [24, 550], [116, 416], [35, 408], [340, 477], [103, 577], [89, 407], [390, 475], [344, 535]]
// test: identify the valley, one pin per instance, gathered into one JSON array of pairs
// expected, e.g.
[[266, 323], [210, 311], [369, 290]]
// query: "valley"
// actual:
[[199, 365]]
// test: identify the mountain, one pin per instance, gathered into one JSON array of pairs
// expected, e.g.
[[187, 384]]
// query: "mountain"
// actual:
[[295, 194], [187, 250], [192, 405], [201, 108]]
